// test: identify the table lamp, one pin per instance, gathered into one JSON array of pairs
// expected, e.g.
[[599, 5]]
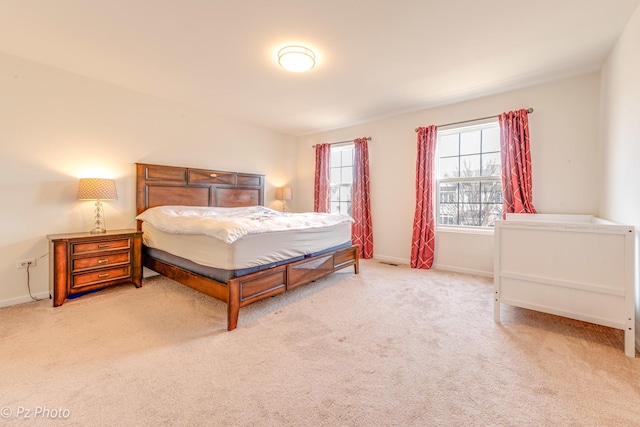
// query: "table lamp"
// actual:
[[97, 189], [284, 194]]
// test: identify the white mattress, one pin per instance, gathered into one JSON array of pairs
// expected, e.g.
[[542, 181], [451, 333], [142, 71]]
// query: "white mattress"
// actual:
[[249, 251]]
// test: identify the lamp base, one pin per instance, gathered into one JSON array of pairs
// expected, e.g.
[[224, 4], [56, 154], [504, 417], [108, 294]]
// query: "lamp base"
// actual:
[[98, 226]]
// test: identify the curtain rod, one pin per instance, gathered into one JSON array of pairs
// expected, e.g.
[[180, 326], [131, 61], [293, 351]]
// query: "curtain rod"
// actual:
[[341, 142], [529, 110]]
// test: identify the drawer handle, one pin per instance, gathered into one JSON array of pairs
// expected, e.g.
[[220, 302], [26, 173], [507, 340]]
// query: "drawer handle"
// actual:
[[102, 261], [102, 276], [214, 175], [103, 246]]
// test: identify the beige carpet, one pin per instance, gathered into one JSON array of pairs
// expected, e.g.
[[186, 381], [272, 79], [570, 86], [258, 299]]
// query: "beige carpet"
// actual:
[[388, 347]]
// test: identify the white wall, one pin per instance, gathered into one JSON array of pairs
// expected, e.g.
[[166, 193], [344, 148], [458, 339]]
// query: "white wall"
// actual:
[[56, 127], [620, 200], [564, 150]]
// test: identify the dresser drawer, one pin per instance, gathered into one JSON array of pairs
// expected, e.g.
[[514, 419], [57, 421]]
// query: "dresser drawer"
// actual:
[[99, 276], [102, 260], [100, 245]]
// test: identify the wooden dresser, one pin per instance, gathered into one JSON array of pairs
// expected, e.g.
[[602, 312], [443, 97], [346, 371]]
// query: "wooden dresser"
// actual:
[[83, 262]]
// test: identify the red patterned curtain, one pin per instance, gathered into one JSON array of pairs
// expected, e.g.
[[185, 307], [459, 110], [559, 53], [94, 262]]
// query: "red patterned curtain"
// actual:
[[361, 230], [423, 240], [322, 183], [516, 163]]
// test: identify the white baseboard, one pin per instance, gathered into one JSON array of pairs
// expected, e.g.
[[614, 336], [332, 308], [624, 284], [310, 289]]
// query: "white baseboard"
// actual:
[[436, 266], [463, 270], [23, 299], [391, 259]]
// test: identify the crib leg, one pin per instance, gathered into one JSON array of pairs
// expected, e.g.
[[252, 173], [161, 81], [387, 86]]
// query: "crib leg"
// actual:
[[496, 307], [630, 339]]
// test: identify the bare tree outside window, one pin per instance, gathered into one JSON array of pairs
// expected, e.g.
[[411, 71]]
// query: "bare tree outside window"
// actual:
[[469, 186]]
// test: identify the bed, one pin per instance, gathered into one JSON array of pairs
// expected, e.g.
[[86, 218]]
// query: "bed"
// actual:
[[239, 280], [576, 266]]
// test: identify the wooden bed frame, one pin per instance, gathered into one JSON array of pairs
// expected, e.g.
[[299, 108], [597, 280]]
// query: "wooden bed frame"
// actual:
[[159, 185]]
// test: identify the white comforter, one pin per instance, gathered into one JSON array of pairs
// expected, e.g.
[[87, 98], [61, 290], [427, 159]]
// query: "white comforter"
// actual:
[[230, 224]]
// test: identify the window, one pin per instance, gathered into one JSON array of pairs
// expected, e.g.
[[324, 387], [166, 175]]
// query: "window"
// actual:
[[469, 188], [341, 178]]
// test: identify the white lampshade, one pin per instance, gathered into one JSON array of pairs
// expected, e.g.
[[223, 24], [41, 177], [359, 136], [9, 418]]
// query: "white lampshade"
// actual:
[[284, 193], [97, 189], [297, 59]]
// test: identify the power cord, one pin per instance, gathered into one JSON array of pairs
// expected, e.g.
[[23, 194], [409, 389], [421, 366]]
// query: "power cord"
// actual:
[[29, 284], [29, 281]]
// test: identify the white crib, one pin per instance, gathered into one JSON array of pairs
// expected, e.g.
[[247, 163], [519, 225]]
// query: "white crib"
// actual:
[[575, 266]]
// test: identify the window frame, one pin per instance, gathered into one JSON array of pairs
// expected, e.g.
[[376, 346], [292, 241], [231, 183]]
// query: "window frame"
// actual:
[[459, 129], [342, 147]]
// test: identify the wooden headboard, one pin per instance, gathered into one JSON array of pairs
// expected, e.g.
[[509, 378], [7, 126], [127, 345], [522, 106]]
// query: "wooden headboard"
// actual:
[[159, 185]]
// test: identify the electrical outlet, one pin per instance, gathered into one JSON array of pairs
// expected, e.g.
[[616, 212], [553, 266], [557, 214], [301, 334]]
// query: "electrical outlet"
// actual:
[[24, 263]]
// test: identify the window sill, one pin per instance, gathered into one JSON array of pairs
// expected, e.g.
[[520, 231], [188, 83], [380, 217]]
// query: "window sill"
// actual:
[[465, 230]]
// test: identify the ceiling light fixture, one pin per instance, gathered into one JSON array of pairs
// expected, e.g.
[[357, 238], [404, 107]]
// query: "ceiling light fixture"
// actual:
[[297, 59]]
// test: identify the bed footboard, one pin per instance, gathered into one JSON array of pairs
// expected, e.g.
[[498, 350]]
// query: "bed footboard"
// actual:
[[244, 290]]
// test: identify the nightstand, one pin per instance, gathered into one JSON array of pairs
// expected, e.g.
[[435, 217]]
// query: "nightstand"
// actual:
[[83, 262]]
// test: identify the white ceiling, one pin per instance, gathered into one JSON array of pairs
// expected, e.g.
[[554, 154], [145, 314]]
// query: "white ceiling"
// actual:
[[375, 58]]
